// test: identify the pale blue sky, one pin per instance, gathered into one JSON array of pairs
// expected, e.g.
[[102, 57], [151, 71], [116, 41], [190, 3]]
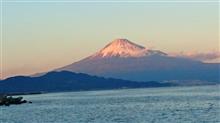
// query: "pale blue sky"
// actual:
[[42, 36]]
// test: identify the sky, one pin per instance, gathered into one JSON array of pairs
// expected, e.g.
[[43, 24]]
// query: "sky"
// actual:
[[41, 36]]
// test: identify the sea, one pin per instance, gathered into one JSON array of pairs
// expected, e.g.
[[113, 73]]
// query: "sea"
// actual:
[[196, 104]]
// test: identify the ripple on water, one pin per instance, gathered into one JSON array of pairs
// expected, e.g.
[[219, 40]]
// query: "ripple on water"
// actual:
[[156, 105]]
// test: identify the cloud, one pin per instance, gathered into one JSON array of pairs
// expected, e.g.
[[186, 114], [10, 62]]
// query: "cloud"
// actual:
[[212, 56]]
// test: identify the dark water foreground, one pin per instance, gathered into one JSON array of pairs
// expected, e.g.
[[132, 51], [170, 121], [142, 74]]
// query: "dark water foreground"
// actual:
[[199, 104]]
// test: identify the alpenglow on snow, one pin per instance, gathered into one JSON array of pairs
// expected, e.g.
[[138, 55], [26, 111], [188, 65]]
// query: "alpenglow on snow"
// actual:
[[125, 48]]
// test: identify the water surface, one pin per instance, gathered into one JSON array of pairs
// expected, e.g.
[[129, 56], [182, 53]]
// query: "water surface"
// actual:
[[199, 104]]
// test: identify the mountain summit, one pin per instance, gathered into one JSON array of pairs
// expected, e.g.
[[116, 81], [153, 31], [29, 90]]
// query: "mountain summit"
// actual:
[[125, 48]]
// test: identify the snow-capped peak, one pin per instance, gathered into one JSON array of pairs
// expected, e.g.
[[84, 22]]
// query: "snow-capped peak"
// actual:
[[125, 48]]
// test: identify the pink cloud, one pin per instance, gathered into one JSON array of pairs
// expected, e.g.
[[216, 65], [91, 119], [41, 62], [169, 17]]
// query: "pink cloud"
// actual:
[[212, 56]]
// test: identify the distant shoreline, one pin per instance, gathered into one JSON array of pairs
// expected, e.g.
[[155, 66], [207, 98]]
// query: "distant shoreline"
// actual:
[[17, 94], [36, 93]]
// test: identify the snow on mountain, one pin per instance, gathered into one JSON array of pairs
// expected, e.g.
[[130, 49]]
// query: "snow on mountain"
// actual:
[[125, 48]]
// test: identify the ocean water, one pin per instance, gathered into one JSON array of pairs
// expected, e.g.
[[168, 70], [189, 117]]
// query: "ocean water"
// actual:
[[199, 104]]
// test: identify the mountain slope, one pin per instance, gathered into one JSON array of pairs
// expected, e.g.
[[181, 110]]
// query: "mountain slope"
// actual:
[[126, 60], [67, 81]]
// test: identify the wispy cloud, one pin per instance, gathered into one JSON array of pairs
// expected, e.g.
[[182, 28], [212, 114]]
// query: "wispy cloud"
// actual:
[[211, 56]]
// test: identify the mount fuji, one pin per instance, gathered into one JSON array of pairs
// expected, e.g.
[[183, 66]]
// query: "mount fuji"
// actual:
[[124, 59]]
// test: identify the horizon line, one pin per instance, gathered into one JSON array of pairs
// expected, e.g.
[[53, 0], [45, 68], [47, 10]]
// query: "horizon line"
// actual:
[[109, 1]]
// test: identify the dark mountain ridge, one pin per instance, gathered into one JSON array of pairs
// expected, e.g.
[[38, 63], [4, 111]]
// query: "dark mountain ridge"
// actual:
[[68, 81]]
